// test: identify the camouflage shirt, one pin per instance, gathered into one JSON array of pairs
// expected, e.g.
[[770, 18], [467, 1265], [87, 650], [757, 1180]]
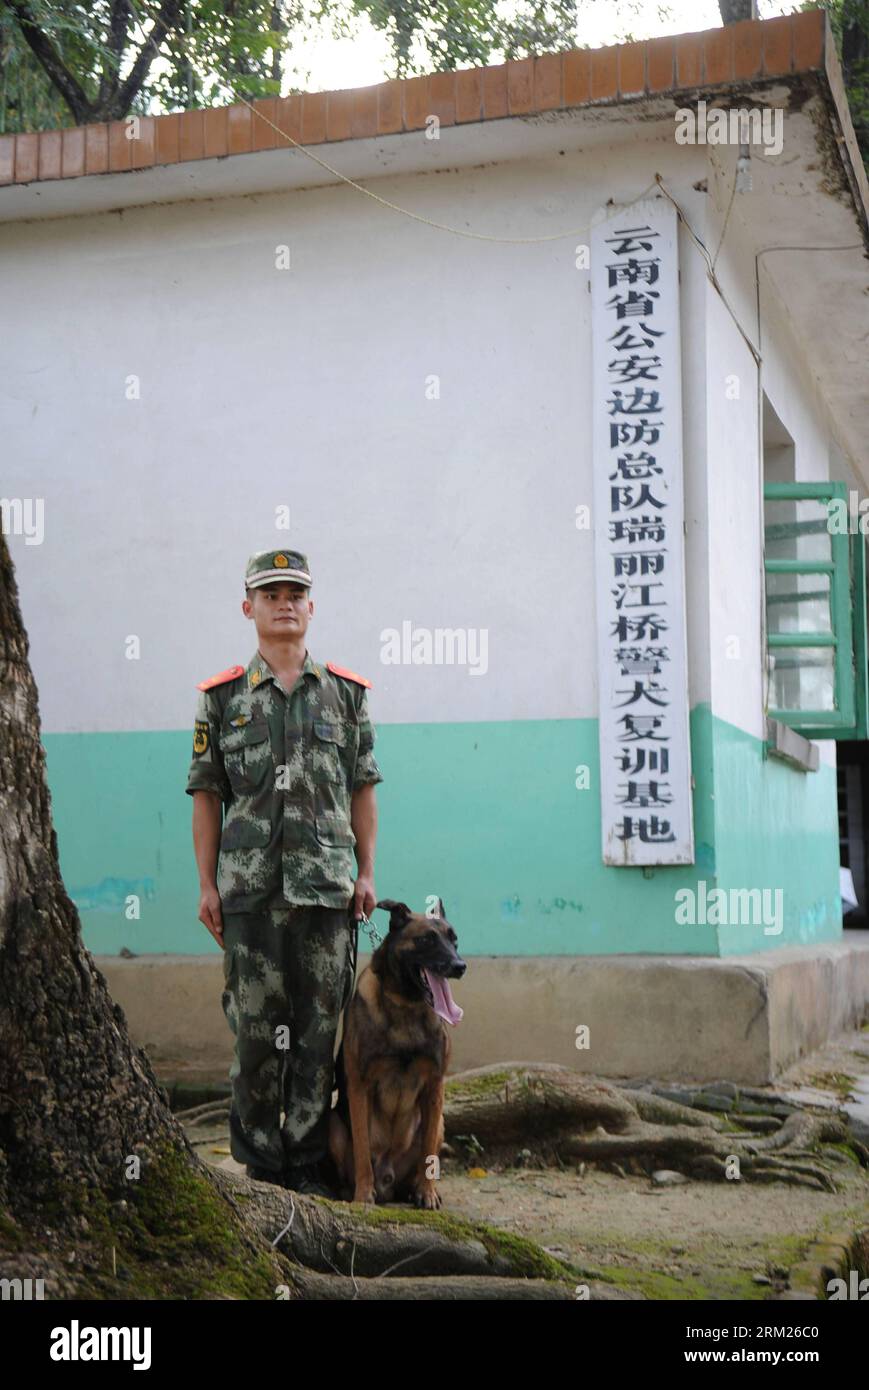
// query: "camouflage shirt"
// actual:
[[286, 765]]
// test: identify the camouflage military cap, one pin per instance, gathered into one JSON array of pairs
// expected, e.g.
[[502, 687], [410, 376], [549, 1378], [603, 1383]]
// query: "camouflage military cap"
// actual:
[[267, 566]]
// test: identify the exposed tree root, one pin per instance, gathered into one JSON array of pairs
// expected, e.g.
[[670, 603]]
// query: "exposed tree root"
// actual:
[[582, 1118], [202, 1114], [347, 1252], [375, 1242]]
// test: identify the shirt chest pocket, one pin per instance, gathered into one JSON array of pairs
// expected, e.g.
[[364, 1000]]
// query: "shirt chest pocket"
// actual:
[[329, 751], [247, 755]]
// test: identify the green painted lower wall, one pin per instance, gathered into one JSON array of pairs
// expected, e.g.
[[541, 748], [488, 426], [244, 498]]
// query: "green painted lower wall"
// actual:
[[488, 816], [776, 829]]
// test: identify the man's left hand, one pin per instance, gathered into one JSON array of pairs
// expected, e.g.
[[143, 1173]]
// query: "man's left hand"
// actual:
[[364, 900]]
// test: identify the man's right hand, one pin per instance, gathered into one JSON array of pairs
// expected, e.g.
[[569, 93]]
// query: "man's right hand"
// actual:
[[210, 914]]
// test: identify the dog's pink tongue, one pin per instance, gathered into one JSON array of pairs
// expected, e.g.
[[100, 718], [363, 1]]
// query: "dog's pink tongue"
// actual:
[[445, 1005]]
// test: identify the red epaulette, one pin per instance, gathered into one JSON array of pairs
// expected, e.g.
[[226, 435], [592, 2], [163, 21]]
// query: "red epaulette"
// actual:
[[348, 675], [229, 674]]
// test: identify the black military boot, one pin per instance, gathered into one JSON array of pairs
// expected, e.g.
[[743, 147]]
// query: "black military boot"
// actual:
[[264, 1174], [307, 1179]]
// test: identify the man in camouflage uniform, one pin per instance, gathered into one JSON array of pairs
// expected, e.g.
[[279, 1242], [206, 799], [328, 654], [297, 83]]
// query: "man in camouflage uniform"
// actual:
[[284, 747]]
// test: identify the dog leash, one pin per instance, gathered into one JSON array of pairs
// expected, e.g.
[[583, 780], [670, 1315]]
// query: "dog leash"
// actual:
[[373, 936], [369, 928]]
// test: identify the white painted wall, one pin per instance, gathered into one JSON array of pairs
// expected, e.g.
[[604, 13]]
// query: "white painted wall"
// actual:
[[261, 388]]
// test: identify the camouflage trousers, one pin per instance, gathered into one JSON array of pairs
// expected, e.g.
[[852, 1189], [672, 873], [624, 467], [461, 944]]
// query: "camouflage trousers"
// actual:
[[287, 978]]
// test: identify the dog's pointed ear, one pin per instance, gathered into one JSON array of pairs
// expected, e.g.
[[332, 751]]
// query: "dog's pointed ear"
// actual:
[[442, 912], [399, 913]]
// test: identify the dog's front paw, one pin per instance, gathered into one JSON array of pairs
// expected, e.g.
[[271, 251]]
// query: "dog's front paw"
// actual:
[[365, 1196], [427, 1196]]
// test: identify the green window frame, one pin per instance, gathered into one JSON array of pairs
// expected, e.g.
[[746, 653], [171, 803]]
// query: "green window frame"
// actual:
[[846, 569]]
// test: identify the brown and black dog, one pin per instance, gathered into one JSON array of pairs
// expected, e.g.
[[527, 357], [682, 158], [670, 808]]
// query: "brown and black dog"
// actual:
[[387, 1128]]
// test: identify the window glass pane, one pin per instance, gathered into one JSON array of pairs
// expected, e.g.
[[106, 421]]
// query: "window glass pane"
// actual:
[[796, 529], [802, 678], [798, 603]]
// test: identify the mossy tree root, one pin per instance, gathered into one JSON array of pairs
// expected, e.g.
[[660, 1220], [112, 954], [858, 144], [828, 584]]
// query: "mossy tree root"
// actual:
[[584, 1118], [373, 1242]]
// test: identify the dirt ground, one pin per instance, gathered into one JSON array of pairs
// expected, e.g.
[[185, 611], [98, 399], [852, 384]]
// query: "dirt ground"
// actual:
[[700, 1240]]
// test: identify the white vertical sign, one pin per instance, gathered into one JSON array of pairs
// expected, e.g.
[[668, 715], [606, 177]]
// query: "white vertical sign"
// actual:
[[645, 753]]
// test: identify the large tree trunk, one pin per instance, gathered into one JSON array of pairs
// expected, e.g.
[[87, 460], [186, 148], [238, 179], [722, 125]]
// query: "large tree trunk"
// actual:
[[732, 11], [76, 1097], [83, 1125]]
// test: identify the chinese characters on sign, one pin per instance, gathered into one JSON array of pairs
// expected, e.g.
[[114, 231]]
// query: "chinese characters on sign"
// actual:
[[645, 752]]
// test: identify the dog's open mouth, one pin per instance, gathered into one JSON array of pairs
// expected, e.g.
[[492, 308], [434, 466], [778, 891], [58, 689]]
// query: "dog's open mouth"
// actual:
[[440, 996]]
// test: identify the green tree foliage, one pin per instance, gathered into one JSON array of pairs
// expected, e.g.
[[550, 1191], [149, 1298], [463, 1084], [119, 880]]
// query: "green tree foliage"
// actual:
[[28, 99], [441, 35], [92, 60], [102, 59]]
